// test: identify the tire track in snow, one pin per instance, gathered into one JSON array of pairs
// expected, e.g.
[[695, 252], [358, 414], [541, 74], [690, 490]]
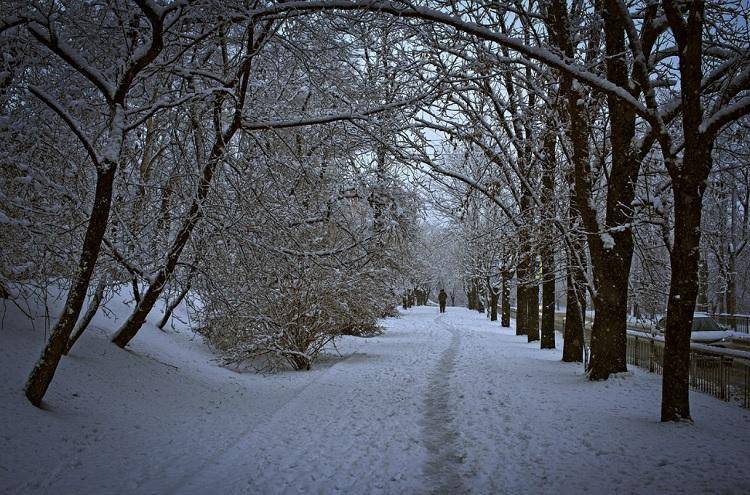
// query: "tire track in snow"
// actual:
[[444, 458]]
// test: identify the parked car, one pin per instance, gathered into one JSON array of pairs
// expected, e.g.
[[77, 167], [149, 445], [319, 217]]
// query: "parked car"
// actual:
[[705, 329]]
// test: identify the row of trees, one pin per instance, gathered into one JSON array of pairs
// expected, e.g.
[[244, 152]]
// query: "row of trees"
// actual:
[[598, 125], [568, 139]]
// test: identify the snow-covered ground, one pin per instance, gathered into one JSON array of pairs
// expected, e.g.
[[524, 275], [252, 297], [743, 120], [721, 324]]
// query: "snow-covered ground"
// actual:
[[440, 403]]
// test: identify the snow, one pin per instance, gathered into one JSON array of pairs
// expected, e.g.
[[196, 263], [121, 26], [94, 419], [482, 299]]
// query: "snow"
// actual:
[[445, 403], [608, 242]]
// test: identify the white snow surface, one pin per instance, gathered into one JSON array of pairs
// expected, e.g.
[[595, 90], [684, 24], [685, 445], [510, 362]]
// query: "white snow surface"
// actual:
[[448, 403]]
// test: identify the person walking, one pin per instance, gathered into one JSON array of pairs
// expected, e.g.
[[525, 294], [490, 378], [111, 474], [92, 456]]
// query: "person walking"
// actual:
[[442, 298]]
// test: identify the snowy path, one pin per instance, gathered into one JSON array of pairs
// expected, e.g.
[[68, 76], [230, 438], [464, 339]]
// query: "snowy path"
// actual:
[[442, 470], [355, 429], [438, 404]]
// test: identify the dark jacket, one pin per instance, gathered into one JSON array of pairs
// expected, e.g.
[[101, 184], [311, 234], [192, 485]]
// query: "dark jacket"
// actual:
[[442, 296]]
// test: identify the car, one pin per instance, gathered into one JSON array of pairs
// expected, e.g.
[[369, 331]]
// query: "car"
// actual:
[[705, 329]]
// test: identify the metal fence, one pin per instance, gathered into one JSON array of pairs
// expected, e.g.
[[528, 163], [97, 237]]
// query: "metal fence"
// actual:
[[712, 372]]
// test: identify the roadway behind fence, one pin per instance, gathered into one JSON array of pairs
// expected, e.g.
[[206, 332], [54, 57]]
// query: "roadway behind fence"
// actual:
[[736, 323]]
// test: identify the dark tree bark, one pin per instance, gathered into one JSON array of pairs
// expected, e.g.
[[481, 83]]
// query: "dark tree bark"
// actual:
[[731, 281], [522, 298], [138, 317], [42, 374], [532, 311], [106, 168], [471, 297], [702, 304], [172, 306], [574, 315], [609, 331], [136, 290], [548, 302], [683, 289], [577, 129], [480, 295], [547, 252], [505, 299], [494, 296], [84, 322], [688, 186], [611, 244], [612, 251]]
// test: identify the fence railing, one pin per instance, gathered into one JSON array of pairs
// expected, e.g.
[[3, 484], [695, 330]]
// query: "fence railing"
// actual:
[[716, 372], [713, 372], [737, 323]]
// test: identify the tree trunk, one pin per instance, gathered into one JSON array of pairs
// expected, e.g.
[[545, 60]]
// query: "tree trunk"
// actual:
[[522, 298], [609, 332], [611, 243], [471, 298], [732, 281], [84, 322], [171, 306], [702, 304], [548, 299], [494, 296], [612, 249], [547, 252], [505, 304], [138, 317], [42, 374], [681, 304], [479, 295], [683, 289], [688, 186], [532, 312], [574, 316], [136, 290]]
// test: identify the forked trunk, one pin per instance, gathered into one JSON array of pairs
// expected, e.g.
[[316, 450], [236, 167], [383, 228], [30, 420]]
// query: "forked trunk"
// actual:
[[44, 370]]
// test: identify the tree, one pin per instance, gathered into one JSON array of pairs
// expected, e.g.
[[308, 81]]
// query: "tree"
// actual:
[[135, 55]]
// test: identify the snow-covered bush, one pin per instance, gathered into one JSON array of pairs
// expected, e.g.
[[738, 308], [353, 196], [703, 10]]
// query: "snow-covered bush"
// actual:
[[292, 316], [301, 259]]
